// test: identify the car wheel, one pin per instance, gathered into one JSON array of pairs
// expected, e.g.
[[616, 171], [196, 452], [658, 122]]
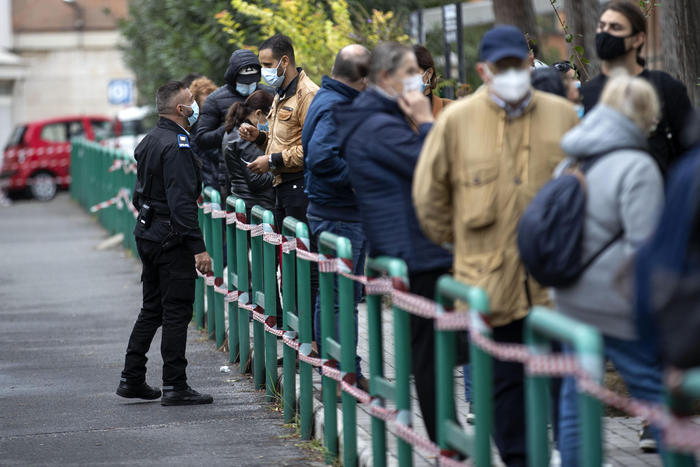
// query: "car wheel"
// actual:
[[42, 186]]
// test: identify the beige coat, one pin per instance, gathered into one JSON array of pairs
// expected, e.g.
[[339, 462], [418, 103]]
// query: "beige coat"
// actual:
[[476, 174], [286, 123]]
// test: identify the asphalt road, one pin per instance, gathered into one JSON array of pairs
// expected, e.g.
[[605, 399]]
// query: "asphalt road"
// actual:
[[66, 311]]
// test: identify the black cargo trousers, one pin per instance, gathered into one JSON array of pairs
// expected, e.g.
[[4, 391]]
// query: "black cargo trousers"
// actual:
[[168, 296]]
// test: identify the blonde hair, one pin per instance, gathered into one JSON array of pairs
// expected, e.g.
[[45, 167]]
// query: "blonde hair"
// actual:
[[200, 88], [633, 97]]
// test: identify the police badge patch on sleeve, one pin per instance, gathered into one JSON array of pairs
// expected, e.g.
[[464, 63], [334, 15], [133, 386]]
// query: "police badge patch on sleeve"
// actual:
[[182, 141]]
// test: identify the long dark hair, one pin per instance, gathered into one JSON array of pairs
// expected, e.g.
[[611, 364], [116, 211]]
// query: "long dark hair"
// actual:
[[425, 61], [239, 111], [634, 15]]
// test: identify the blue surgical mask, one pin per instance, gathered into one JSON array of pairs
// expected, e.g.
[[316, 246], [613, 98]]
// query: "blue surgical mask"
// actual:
[[246, 89], [264, 126], [269, 75], [423, 85], [195, 113]]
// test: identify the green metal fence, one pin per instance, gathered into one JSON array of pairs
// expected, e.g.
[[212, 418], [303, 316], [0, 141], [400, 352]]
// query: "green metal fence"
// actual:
[[252, 287], [541, 327], [399, 390], [450, 434]]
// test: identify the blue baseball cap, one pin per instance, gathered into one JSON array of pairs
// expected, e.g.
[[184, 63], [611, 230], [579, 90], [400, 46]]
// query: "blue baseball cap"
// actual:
[[503, 42]]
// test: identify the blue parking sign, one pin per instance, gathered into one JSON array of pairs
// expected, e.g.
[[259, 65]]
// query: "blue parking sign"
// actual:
[[119, 91]]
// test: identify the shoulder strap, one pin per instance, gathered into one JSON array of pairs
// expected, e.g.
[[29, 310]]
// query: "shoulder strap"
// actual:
[[602, 249]]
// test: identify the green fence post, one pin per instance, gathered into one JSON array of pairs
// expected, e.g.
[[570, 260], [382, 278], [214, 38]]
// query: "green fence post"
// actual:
[[340, 247], [290, 321], [449, 432], [269, 268], [217, 253], [258, 298], [399, 390], [199, 284], [232, 261], [683, 387], [209, 241], [305, 316], [588, 344], [243, 285]]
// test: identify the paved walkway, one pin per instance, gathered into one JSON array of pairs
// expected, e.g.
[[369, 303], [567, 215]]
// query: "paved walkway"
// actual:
[[66, 312]]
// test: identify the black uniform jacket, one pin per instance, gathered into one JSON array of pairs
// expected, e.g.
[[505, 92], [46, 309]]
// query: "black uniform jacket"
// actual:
[[168, 176]]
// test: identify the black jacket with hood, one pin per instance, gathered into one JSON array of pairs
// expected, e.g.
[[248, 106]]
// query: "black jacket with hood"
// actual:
[[210, 126]]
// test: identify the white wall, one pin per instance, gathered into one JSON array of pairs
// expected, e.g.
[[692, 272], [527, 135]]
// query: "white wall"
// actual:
[[67, 73]]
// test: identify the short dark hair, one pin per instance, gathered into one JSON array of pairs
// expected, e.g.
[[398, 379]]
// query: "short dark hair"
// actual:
[[386, 56], [280, 45], [634, 15], [351, 66], [165, 95]]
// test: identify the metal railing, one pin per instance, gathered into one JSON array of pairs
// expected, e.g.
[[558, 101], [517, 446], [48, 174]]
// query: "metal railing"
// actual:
[[105, 177]]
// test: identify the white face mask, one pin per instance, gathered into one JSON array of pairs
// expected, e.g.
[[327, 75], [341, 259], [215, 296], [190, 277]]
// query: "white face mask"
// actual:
[[511, 85], [413, 83]]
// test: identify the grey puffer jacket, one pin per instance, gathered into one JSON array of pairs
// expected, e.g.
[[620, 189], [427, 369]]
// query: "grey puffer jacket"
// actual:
[[624, 192]]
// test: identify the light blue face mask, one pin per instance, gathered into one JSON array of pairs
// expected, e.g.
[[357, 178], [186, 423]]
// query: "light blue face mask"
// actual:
[[246, 89], [195, 113], [269, 75], [264, 126]]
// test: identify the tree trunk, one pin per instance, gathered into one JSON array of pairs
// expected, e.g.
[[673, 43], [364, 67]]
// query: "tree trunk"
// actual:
[[681, 43], [519, 13], [582, 19]]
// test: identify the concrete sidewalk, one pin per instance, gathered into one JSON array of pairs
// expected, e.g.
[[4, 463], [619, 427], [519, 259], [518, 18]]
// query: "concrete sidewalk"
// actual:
[[66, 312]]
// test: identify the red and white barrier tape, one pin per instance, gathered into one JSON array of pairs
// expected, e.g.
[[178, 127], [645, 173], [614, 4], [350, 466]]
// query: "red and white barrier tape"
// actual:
[[120, 200], [127, 167], [679, 433]]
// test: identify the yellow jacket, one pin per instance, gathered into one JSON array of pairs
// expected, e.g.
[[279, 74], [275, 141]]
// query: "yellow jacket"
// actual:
[[286, 119], [476, 174]]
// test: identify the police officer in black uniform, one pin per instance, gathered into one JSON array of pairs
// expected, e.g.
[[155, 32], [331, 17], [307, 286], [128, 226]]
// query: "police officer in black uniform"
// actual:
[[170, 245]]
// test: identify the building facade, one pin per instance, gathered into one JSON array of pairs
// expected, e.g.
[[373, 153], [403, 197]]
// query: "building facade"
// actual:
[[66, 60]]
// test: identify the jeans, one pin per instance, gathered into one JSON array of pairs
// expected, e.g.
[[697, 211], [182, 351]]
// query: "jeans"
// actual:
[[640, 369], [353, 232], [467, 383], [292, 201]]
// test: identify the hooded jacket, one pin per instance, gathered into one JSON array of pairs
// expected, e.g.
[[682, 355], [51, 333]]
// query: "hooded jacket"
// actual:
[[210, 126], [326, 172], [381, 150], [624, 192]]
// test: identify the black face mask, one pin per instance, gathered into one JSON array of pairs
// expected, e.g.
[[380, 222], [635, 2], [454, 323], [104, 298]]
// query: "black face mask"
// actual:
[[609, 47]]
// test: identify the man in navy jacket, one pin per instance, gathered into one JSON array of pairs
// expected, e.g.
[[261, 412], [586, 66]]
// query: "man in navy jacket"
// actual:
[[381, 147], [332, 204]]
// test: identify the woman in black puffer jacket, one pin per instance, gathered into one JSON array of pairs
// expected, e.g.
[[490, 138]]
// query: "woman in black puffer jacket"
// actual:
[[253, 189]]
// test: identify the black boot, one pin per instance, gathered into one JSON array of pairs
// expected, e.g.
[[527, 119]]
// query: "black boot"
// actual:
[[137, 391], [186, 396]]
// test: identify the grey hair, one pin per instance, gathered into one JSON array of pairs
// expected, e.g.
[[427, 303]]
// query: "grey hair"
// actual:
[[387, 56]]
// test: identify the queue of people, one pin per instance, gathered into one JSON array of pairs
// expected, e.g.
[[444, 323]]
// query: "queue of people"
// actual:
[[374, 155]]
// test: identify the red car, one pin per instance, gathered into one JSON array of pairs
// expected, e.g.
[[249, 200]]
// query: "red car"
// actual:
[[37, 155]]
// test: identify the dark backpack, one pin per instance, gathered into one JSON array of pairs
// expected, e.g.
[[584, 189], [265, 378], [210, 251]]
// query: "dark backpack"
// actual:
[[550, 231]]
